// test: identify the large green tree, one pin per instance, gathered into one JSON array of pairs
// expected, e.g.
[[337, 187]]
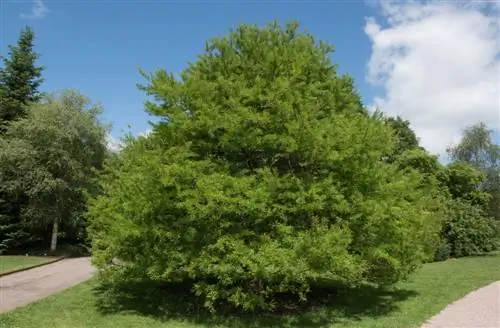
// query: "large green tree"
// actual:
[[264, 176], [51, 156], [20, 78], [479, 150]]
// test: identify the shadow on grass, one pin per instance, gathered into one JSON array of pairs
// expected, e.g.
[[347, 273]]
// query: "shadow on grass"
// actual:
[[324, 306]]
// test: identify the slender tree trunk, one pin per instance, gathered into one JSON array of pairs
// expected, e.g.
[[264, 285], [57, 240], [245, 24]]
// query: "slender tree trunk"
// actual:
[[53, 241]]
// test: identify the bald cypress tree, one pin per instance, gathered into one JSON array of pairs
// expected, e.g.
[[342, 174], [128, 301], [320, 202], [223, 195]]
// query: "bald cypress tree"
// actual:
[[262, 177]]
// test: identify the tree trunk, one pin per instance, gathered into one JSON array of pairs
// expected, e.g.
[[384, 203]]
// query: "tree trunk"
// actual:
[[53, 242]]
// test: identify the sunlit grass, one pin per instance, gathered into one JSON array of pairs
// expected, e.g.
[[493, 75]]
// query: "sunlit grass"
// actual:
[[12, 263], [408, 304]]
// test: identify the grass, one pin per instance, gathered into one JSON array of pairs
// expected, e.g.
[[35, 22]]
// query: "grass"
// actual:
[[406, 305], [12, 263]]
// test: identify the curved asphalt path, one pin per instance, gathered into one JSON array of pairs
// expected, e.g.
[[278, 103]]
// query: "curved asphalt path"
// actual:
[[22, 288], [478, 309]]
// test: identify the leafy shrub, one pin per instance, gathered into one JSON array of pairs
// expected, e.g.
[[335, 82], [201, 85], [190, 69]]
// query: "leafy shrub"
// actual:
[[13, 233], [465, 182], [263, 177], [468, 231], [467, 228], [443, 250]]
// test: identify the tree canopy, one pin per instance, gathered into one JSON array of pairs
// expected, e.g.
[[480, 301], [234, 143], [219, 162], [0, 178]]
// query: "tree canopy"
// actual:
[[265, 176], [51, 157], [20, 79], [478, 149]]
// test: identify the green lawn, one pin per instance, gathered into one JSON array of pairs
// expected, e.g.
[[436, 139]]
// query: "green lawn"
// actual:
[[407, 305], [11, 263]]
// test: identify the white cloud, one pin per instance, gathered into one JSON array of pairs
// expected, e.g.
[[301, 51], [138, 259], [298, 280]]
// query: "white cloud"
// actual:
[[439, 65], [38, 10], [113, 144], [145, 134]]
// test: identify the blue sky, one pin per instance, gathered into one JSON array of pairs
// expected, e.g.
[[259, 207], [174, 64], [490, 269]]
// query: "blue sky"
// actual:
[[97, 47]]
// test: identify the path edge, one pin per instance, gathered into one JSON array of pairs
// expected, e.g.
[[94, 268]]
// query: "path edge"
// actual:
[[56, 259], [429, 321]]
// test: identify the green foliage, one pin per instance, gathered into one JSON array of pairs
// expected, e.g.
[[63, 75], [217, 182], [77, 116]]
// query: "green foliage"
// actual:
[[19, 79], [19, 82], [443, 250], [476, 147], [493, 187], [433, 181], [479, 150], [463, 181], [420, 160], [468, 230], [11, 231], [264, 177], [428, 167], [406, 139], [51, 157]]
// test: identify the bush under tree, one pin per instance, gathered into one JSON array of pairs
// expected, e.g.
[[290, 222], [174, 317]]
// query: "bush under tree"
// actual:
[[468, 229], [264, 176]]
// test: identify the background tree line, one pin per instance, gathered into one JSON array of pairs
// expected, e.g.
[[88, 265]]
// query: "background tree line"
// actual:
[[265, 175], [469, 182], [51, 148]]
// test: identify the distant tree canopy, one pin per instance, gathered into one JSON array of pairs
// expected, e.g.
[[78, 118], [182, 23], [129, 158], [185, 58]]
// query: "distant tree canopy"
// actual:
[[20, 79], [478, 149], [264, 177], [51, 157]]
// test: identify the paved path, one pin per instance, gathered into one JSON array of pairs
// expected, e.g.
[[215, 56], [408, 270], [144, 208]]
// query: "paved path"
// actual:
[[19, 289], [479, 309]]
